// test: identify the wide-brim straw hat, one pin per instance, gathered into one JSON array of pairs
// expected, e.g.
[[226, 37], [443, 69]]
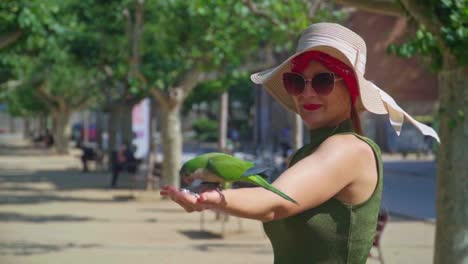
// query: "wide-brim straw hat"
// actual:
[[350, 48]]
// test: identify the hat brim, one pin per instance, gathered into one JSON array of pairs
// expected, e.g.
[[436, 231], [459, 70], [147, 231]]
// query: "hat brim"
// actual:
[[337, 41], [271, 79]]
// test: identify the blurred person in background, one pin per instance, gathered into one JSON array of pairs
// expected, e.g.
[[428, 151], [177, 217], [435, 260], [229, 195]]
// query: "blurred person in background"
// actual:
[[123, 160]]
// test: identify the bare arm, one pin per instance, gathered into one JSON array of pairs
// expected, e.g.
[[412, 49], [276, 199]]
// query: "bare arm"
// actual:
[[254, 203], [311, 181]]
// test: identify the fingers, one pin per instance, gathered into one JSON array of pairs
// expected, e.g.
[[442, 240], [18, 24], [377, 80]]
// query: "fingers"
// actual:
[[186, 200]]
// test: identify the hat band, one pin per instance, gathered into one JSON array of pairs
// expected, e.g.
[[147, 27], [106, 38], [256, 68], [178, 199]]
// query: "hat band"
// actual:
[[350, 51]]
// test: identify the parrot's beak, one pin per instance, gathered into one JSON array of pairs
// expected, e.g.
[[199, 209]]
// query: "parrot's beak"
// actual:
[[187, 180]]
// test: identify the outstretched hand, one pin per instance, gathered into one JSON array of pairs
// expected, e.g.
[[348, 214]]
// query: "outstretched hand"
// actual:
[[207, 200]]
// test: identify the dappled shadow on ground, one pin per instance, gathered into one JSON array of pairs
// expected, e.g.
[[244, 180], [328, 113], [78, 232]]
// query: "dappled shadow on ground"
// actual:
[[123, 197], [54, 186], [25, 248], [255, 248], [44, 198], [20, 189], [162, 210], [17, 217], [197, 234], [25, 150], [68, 179], [28, 164], [15, 144]]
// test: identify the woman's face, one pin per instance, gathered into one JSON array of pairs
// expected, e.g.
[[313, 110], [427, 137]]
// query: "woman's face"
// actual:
[[322, 111]]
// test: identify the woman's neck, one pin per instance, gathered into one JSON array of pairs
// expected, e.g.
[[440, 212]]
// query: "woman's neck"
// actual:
[[318, 135]]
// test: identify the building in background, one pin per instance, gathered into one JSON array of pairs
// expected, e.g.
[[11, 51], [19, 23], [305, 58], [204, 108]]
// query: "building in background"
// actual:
[[409, 81]]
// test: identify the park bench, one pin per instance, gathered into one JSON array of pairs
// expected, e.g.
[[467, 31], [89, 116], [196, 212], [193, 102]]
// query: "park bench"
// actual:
[[90, 154]]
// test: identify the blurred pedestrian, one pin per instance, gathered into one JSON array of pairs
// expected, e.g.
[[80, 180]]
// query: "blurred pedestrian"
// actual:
[[89, 153], [47, 138], [123, 160]]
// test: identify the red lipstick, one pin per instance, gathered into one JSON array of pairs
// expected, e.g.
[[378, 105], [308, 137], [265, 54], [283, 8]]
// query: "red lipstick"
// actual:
[[311, 107]]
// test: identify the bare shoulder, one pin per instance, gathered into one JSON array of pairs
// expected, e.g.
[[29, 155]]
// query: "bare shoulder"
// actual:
[[339, 163], [347, 147]]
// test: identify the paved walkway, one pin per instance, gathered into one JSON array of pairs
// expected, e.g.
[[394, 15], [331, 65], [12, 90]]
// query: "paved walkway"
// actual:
[[50, 212]]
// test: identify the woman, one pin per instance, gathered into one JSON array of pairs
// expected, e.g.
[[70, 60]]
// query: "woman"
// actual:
[[337, 178]]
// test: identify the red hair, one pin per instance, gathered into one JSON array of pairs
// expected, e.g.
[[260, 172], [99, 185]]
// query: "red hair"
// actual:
[[301, 61]]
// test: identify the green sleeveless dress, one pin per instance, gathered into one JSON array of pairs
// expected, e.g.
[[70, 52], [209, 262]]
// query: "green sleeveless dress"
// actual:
[[333, 232]]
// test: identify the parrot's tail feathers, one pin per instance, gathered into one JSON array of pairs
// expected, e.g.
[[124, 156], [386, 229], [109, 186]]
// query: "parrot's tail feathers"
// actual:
[[257, 180], [255, 171]]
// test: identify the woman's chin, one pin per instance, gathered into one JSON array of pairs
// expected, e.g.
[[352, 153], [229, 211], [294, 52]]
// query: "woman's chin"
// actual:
[[312, 121], [313, 125]]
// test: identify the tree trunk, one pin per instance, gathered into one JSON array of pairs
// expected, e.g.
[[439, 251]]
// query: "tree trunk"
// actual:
[[42, 123], [223, 121], [452, 176], [12, 124], [61, 118], [99, 127], [112, 128], [120, 125], [85, 127], [26, 127], [153, 148], [263, 137], [126, 122], [53, 126], [172, 144]]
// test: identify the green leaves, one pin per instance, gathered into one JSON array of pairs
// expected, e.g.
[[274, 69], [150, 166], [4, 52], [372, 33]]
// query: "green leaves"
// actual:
[[77, 39], [206, 129], [237, 83], [453, 15], [423, 43], [23, 102], [221, 35], [48, 52], [180, 35]]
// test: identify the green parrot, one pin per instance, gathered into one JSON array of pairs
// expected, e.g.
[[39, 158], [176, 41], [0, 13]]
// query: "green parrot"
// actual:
[[222, 169]]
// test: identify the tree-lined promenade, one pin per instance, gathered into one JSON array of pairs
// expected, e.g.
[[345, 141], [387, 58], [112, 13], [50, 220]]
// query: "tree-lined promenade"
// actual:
[[58, 57], [51, 212]]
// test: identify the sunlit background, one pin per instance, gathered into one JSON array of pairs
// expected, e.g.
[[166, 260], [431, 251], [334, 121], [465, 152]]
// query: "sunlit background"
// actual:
[[80, 80]]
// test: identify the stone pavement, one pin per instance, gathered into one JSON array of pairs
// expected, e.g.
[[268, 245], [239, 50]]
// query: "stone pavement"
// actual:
[[50, 212]]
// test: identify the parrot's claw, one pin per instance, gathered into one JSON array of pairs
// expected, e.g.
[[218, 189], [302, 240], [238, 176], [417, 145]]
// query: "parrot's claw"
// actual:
[[189, 192]]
